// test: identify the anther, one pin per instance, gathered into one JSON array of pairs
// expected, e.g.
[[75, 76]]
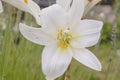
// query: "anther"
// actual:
[[26, 1]]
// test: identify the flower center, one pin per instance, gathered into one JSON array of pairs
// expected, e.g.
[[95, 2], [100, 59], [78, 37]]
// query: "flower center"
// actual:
[[64, 37], [26, 1]]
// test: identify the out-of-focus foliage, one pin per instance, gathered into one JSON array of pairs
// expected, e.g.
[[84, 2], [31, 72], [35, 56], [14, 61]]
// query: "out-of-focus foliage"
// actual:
[[106, 33], [108, 2], [108, 27]]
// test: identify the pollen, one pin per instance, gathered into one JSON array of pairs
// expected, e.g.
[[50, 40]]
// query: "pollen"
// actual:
[[26, 1], [64, 36]]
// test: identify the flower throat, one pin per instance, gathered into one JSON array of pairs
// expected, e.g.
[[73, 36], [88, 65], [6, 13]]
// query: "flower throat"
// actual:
[[64, 37]]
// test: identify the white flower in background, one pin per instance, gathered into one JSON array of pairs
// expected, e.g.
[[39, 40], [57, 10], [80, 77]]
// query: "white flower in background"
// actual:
[[89, 4], [1, 8], [66, 4], [64, 36], [27, 6]]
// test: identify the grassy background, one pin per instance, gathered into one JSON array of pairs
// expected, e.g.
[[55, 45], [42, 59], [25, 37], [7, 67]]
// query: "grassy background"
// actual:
[[20, 59]]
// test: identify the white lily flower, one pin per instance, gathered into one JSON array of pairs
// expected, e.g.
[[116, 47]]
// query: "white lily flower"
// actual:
[[66, 4], [64, 38], [28, 6], [1, 8]]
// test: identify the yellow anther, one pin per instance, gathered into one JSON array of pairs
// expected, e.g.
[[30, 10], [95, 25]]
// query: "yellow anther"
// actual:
[[59, 36], [26, 1]]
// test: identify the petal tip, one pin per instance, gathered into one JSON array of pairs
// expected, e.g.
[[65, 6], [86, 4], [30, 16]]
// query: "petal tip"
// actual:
[[101, 24], [21, 26], [98, 67], [38, 22], [48, 78]]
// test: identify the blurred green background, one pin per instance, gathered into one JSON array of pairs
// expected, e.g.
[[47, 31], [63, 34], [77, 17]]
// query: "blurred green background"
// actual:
[[20, 59]]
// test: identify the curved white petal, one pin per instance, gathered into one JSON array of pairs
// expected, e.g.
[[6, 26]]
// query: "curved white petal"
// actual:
[[54, 61], [53, 16], [49, 78], [87, 33], [76, 12], [30, 7], [35, 11], [1, 8], [37, 35], [64, 3], [86, 57], [85, 41], [89, 4]]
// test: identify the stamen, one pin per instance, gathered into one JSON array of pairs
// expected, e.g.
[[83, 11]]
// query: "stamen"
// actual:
[[26, 1], [59, 36], [64, 37], [63, 45]]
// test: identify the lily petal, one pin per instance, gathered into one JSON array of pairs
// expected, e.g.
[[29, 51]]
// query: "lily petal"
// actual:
[[37, 35], [30, 7], [76, 12], [54, 17], [86, 57], [35, 11], [64, 3], [88, 33], [89, 4], [54, 61], [1, 8]]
